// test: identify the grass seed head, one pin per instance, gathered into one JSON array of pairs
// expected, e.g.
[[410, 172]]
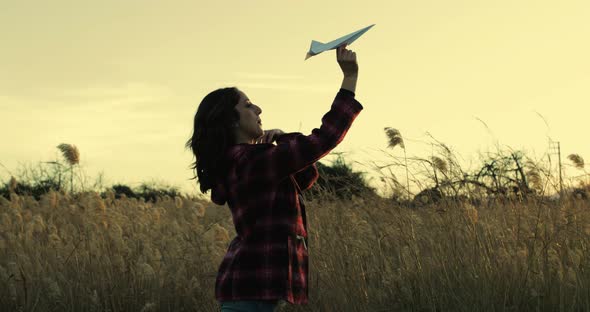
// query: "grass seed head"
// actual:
[[577, 160], [12, 293], [149, 307], [394, 137], [534, 177], [49, 199], [70, 153], [53, 290], [471, 213], [146, 272], [178, 202], [12, 184], [439, 164]]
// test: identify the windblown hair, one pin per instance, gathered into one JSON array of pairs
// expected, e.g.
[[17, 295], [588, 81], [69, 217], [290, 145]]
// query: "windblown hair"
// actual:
[[213, 134]]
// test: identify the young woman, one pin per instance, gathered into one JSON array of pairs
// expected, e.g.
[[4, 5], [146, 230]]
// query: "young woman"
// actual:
[[268, 260]]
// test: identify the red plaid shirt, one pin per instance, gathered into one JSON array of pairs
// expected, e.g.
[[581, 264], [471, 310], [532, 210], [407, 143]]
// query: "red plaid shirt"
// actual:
[[265, 261]]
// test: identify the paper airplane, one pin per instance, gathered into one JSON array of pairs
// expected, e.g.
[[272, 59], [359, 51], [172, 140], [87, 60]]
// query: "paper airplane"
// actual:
[[318, 47]]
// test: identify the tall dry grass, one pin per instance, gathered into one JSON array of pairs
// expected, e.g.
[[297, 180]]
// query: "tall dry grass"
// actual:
[[93, 254]]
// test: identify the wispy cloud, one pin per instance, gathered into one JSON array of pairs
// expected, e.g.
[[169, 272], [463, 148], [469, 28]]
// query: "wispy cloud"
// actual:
[[275, 82], [98, 97], [130, 89], [132, 113], [267, 76], [285, 86]]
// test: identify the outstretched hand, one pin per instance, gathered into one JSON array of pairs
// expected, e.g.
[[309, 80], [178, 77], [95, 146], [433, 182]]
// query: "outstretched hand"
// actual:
[[270, 136], [347, 60]]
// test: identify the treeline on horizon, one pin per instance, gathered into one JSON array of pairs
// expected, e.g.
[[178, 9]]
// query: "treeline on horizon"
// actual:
[[504, 174]]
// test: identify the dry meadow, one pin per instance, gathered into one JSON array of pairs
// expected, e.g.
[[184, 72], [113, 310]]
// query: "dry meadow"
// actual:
[[87, 253]]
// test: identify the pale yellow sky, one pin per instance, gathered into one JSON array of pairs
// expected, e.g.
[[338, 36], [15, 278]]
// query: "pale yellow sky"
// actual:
[[122, 79]]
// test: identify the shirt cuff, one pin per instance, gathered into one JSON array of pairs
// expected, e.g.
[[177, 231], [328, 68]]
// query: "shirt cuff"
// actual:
[[347, 92]]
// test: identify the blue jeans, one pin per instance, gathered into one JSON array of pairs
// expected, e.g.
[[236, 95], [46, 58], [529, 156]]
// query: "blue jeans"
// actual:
[[248, 306]]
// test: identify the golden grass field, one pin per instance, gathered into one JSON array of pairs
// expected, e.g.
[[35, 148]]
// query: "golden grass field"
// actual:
[[93, 254]]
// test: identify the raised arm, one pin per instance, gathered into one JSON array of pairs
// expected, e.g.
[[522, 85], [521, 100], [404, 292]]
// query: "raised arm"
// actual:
[[274, 163]]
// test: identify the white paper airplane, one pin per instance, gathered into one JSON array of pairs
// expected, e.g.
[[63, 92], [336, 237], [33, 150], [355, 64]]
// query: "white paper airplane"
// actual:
[[318, 47]]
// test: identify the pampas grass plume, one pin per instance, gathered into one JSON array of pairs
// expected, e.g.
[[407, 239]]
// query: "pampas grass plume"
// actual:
[[178, 202], [149, 307], [394, 137], [577, 160], [54, 292], [471, 213], [70, 153], [216, 234], [199, 209], [12, 184], [439, 164], [49, 199], [534, 176]]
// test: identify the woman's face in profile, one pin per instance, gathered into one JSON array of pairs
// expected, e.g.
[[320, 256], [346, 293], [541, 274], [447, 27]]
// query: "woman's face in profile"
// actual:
[[250, 125]]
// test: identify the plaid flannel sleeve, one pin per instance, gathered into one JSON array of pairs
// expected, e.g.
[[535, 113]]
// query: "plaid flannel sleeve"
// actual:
[[295, 151]]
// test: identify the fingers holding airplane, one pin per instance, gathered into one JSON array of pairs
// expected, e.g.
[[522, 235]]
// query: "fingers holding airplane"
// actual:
[[347, 60]]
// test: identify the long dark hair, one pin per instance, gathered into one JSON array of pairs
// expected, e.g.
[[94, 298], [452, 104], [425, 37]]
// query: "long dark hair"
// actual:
[[213, 134]]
